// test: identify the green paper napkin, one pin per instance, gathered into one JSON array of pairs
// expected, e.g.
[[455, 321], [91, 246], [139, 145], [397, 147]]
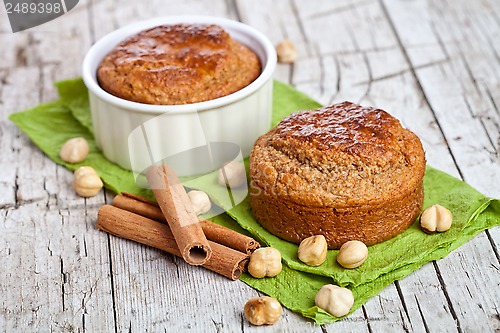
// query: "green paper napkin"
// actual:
[[50, 125]]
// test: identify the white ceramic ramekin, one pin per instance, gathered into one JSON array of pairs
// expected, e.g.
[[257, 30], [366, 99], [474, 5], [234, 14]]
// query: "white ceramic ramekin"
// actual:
[[239, 118]]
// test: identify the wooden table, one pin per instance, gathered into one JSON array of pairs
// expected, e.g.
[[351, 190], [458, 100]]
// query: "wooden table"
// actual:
[[435, 64]]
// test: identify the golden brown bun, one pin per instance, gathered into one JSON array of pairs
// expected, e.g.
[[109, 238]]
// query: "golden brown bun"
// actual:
[[345, 171], [178, 64]]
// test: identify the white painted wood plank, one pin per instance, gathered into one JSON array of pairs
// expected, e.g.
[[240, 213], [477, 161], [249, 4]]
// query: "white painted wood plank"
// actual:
[[368, 27], [307, 76], [449, 87], [471, 279], [30, 183], [259, 18], [426, 311], [54, 271], [477, 159], [4, 23], [58, 41], [8, 187], [38, 245], [20, 90], [110, 15], [326, 8], [277, 21], [14, 55], [386, 63]]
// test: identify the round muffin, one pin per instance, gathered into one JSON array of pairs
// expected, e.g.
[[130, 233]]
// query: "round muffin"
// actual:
[[344, 171], [178, 64]]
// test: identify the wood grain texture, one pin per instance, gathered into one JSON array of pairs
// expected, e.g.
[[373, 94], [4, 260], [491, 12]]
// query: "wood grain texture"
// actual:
[[433, 64]]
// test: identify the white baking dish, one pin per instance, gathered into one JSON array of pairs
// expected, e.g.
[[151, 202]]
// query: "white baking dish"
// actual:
[[238, 118]]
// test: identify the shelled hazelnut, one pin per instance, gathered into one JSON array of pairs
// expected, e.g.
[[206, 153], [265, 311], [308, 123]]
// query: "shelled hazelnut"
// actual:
[[263, 310], [233, 174], [286, 51], [335, 300], [200, 202], [87, 182], [74, 150], [312, 250], [436, 218], [265, 261], [352, 254]]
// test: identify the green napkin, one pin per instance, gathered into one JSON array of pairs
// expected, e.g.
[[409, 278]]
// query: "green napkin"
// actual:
[[50, 125]]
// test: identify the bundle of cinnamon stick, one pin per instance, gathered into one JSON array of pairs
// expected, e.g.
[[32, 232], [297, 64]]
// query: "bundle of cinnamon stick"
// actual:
[[172, 226]]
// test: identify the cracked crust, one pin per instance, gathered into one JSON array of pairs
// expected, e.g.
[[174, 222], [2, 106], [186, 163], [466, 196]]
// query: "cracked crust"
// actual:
[[344, 171], [178, 64]]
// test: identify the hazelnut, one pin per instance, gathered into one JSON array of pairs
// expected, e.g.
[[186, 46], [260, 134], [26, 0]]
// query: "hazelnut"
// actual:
[[286, 51], [233, 174], [87, 182], [200, 202], [312, 250], [263, 310], [436, 218], [265, 261], [74, 150], [335, 300], [352, 254]]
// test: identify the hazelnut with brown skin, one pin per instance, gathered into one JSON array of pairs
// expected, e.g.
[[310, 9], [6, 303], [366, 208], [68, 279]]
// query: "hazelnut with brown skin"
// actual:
[[286, 51], [263, 310]]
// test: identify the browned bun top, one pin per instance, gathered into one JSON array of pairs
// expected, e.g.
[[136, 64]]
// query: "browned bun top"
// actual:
[[178, 64], [342, 155]]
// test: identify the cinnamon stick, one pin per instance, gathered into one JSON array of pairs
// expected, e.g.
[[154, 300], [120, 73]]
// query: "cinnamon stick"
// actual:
[[146, 209], [213, 231], [121, 223], [178, 211], [229, 237]]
